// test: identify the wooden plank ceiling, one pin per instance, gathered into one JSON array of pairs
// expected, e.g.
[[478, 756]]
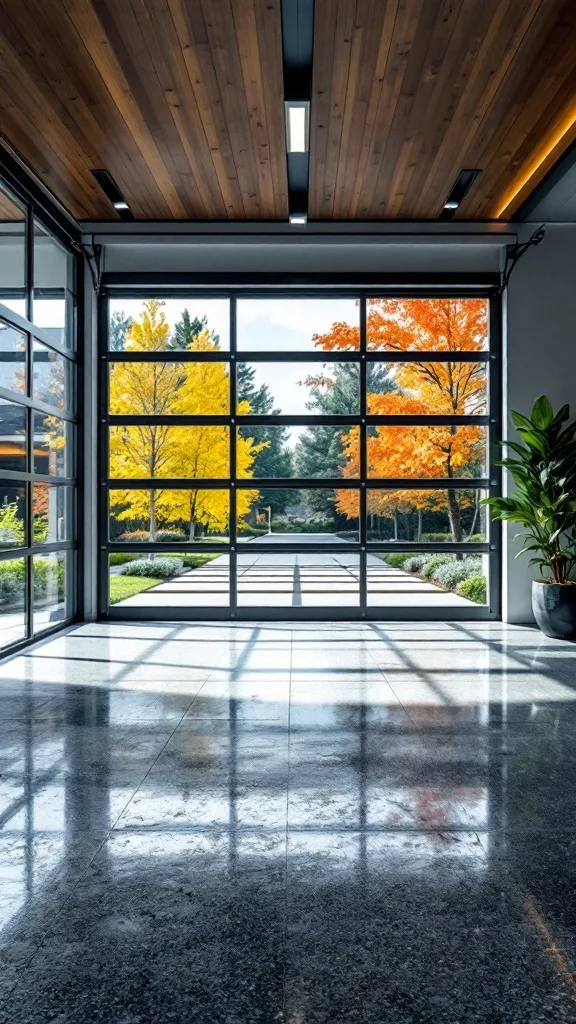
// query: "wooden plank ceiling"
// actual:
[[182, 101], [407, 93]]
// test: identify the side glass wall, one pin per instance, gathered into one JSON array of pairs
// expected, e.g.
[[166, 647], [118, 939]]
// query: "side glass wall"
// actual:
[[296, 453], [38, 490]]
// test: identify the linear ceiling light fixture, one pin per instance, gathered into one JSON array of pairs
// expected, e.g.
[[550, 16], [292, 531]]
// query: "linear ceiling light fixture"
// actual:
[[113, 194], [459, 190], [298, 218], [297, 125]]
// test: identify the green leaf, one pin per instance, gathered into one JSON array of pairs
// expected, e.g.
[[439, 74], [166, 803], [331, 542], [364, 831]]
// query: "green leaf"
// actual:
[[542, 413]]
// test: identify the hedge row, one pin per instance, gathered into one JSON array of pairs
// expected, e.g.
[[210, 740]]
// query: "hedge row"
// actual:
[[463, 575]]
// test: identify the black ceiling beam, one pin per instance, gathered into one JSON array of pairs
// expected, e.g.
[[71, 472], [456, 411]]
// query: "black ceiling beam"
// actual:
[[297, 47]]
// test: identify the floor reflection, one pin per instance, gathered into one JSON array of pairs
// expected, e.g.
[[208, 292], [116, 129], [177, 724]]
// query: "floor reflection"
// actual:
[[298, 823]]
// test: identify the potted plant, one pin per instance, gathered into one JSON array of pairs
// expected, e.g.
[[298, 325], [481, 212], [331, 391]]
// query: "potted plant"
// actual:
[[544, 471]]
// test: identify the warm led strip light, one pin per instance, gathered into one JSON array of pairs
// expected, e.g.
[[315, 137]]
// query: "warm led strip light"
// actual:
[[566, 127]]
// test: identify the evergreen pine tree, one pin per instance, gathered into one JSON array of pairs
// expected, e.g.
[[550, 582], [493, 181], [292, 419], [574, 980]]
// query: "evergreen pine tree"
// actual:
[[189, 328], [274, 461], [120, 324]]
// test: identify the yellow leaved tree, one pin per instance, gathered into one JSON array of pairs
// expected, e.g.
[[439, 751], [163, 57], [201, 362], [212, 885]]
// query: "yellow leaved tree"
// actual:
[[164, 388]]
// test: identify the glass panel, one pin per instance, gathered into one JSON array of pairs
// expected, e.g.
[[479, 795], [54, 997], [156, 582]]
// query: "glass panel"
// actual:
[[12, 358], [178, 452], [50, 589], [303, 580], [298, 389], [12, 253], [417, 389], [158, 325], [53, 306], [427, 580], [317, 516], [53, 511], [12, 436], [179, 389], [195, 580], [427, 515], [12, 515], [426, 451], [52, 377], [52, 454], [319, 452], [169, 515], [298, 325], [12, 597], [427, 325]]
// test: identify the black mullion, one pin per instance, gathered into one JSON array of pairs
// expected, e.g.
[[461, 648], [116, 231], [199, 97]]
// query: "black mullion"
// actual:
[[429, 483], [233, 558], [102, 468], [164, 356], [494, 525], [363, 581]]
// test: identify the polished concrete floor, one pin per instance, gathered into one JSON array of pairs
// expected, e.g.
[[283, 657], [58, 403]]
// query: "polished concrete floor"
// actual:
[[289, 823]]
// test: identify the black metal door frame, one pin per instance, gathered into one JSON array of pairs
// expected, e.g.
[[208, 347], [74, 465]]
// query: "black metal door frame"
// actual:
[[181, 286]]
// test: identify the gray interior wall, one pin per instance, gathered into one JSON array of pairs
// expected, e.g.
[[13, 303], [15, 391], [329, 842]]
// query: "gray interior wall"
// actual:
[[540, 358]]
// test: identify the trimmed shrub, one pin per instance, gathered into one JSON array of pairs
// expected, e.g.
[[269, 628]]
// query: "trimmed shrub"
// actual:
[[135, 535], [432, 563], [474, 588], [156, 568], [117, 558], [245, 530], [435, 538], [454, 572], [414, 563], [170, 535]]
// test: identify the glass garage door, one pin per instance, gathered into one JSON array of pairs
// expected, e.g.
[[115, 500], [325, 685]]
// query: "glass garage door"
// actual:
[[297, 456]]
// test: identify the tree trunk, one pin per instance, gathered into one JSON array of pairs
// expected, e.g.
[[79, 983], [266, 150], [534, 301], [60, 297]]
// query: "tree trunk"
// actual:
[[455, 520], [395, 526], [419, 524], [192, 530], [152, 531]]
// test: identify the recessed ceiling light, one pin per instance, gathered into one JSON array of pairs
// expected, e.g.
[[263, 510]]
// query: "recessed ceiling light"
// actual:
[[459, 190], [452, 204], [297, 124], [298, 218], [113, 194]]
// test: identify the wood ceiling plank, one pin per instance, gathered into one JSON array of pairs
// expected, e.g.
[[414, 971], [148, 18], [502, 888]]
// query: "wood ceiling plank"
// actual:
[[61, 69]]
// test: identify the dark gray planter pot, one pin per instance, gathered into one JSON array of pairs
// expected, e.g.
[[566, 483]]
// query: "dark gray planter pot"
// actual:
[[554, 607]]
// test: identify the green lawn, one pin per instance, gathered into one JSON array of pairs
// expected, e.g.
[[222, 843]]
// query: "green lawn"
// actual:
[[122, 587]]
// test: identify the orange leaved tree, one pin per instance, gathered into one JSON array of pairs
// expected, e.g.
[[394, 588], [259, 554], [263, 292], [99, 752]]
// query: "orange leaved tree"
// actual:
[[451, 387]]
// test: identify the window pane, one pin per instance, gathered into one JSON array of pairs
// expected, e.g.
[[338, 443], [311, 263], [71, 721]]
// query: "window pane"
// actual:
[[425, 580], [53, 307], [298, 389], [53, 511], [12, 596], [159, 325], [450, 389], [52, 444], [12, 358], [178, 452], [298, 325], [12, 515], [12, 436], [12, 253], [52, 377], [317, 452], [431, 516], [427, 325], [183, 581], [169, 515], [426, 451], [318, 516], [303, 580], [50, 589], [164, 389]]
